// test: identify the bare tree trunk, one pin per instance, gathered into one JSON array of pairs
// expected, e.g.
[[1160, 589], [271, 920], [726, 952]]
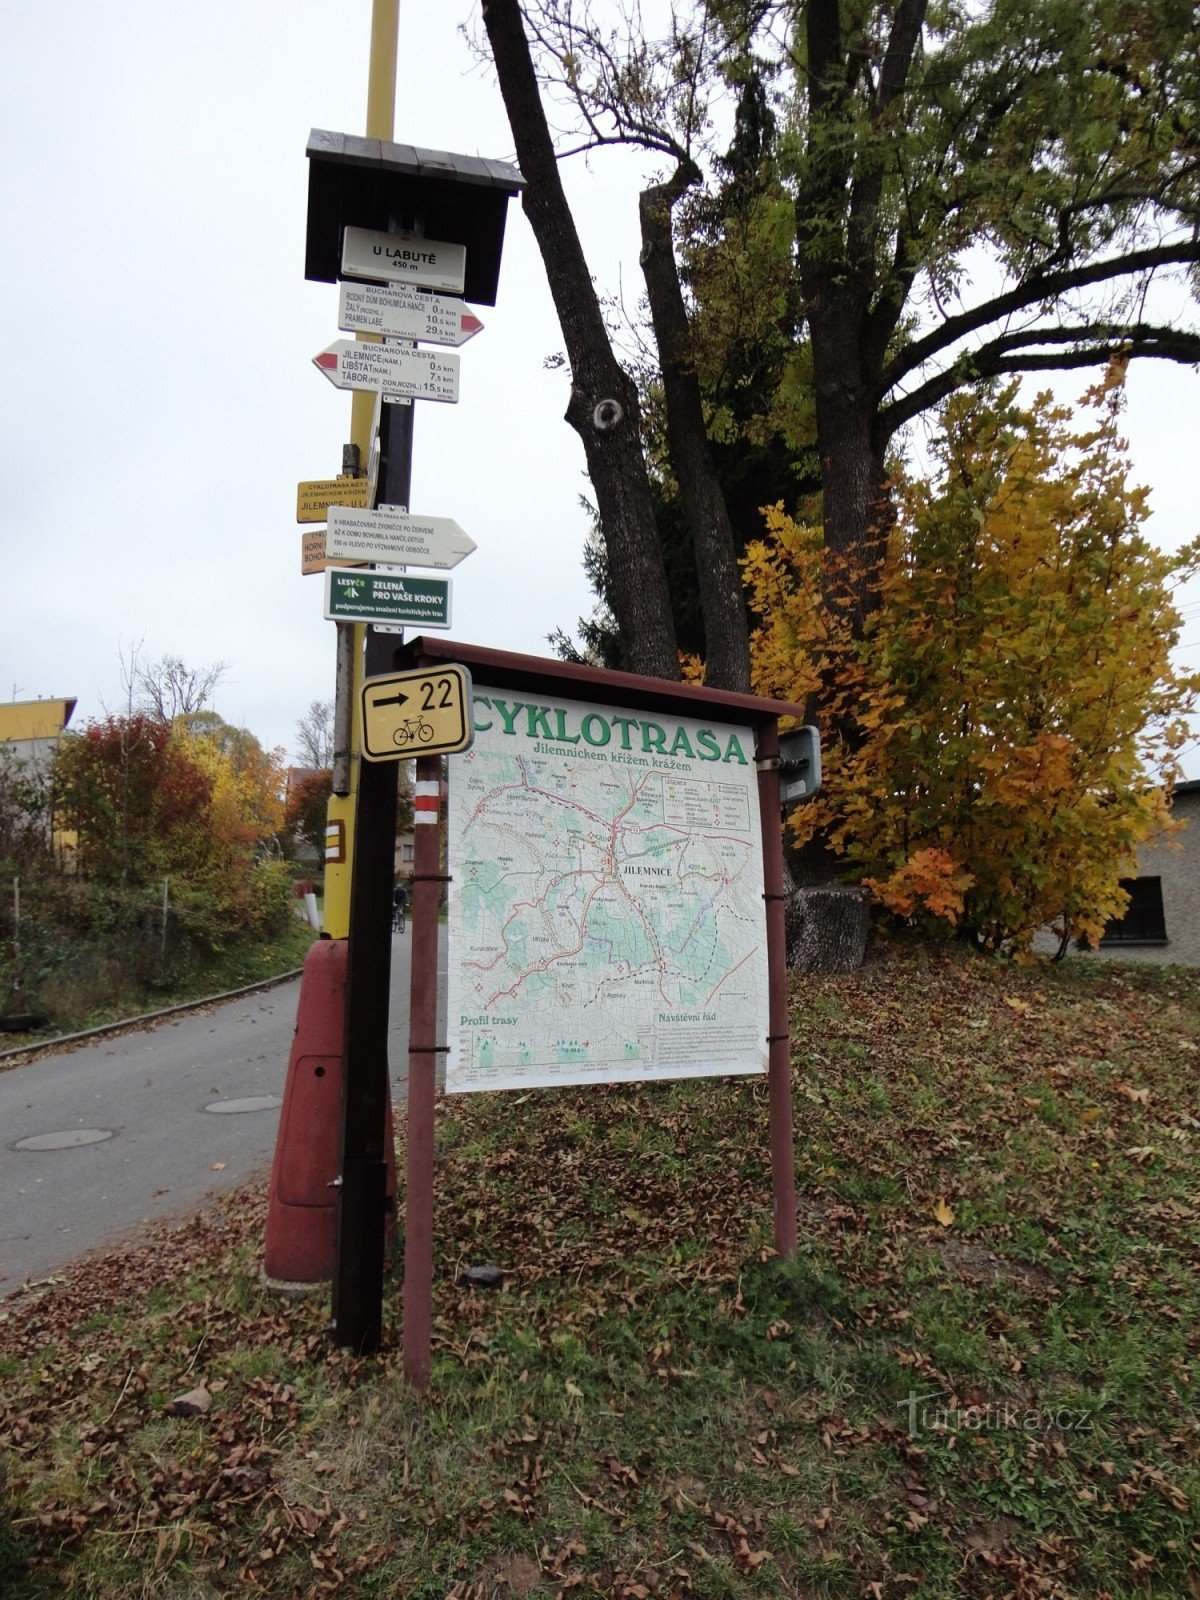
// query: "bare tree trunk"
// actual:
[[603, 408], [852, 471], [726, 635]]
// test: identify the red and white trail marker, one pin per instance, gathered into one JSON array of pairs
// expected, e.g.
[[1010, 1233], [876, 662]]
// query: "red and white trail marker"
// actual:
[[395, 312], [390, 369]]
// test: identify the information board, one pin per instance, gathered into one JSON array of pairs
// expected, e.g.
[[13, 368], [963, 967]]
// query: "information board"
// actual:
[[606, 913]]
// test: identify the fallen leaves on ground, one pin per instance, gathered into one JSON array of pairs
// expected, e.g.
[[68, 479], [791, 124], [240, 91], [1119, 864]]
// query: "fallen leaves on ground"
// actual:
[[978, 1373]]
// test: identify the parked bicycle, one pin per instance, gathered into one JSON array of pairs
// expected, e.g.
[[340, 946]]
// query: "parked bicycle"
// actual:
[[399, 907]]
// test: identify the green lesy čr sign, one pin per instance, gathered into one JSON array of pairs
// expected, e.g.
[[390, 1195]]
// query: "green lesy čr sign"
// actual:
[[387, 598]]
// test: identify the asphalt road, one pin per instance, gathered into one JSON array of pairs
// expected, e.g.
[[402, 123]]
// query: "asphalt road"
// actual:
[[151, 1102]]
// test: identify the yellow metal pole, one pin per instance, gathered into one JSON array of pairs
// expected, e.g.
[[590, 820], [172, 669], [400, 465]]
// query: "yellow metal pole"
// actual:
[[381, 78], [381, 112]]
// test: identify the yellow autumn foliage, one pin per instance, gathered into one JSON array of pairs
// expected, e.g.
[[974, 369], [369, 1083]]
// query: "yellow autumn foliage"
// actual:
[[998, 742]]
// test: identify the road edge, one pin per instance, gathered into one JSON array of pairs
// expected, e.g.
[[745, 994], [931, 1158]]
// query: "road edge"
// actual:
[[44, 1046]]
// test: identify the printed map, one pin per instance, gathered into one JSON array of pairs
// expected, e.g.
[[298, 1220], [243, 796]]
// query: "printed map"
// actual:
[[606, 918]]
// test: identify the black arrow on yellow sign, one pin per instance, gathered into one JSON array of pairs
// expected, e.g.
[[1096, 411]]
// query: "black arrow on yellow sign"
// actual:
[[424, 711]]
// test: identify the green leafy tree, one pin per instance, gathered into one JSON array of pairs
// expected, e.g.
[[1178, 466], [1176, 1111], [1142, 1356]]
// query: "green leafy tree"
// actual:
[[977, 191], [918, 197]]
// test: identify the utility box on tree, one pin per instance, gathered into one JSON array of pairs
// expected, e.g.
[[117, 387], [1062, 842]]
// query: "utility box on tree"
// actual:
[[799, 764]]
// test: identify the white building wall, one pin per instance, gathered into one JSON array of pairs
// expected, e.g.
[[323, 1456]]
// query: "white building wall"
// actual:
[[1176, 861]]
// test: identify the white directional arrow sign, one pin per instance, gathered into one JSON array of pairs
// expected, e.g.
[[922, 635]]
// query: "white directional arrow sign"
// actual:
[[421, 374], [399, 313], [386, 534]]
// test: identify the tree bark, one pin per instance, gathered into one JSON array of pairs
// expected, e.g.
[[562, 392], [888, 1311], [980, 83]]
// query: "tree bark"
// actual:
[[852, 469], [603, 408], [827, 928], [726, 634]]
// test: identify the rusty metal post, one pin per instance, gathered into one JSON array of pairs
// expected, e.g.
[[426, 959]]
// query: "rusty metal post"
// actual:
[[427, 883], [779, 1065]]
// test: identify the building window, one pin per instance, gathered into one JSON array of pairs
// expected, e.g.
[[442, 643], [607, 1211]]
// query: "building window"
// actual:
[[1143, 922]]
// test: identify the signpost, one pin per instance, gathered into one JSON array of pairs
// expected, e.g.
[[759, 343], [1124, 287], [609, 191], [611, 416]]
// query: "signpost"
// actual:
[[388, 534], [424, 713], [396, 312], [404, 258], [314, 557], [386, 599], [420, 374], [313, 499], [358, 190]]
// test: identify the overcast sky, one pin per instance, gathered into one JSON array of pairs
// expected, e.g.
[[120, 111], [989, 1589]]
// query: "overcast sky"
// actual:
[[159, 403]]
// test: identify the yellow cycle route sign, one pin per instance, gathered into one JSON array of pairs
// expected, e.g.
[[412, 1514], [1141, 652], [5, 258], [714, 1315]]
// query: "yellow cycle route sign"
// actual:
[[314, 498], [426, 712]]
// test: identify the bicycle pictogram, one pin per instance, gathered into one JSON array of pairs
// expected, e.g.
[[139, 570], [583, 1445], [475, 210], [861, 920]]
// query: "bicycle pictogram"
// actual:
[[413, 729]]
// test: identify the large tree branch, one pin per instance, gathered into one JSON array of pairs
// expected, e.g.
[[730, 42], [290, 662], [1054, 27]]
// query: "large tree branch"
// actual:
[[603, 406], [829, 156], [882, 319], [923, 212], [726, 636], [1128, 193], [1010, 352], [823, 34], [1041, 287], [902, 44], [664, 145], [867, 185]]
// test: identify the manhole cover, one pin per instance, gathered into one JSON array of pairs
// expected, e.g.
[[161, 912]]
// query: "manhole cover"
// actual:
[[67, 1140], [254, 1102]]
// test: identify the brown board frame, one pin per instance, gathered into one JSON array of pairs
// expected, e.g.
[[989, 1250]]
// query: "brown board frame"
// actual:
[[506, 669]]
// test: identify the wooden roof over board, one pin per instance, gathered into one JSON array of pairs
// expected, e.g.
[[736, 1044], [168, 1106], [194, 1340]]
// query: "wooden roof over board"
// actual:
[[374, 183], [594, 683]]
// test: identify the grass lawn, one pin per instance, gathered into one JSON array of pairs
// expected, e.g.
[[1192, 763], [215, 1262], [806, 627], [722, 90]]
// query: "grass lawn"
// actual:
[[107, 993], [978, 1378]]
